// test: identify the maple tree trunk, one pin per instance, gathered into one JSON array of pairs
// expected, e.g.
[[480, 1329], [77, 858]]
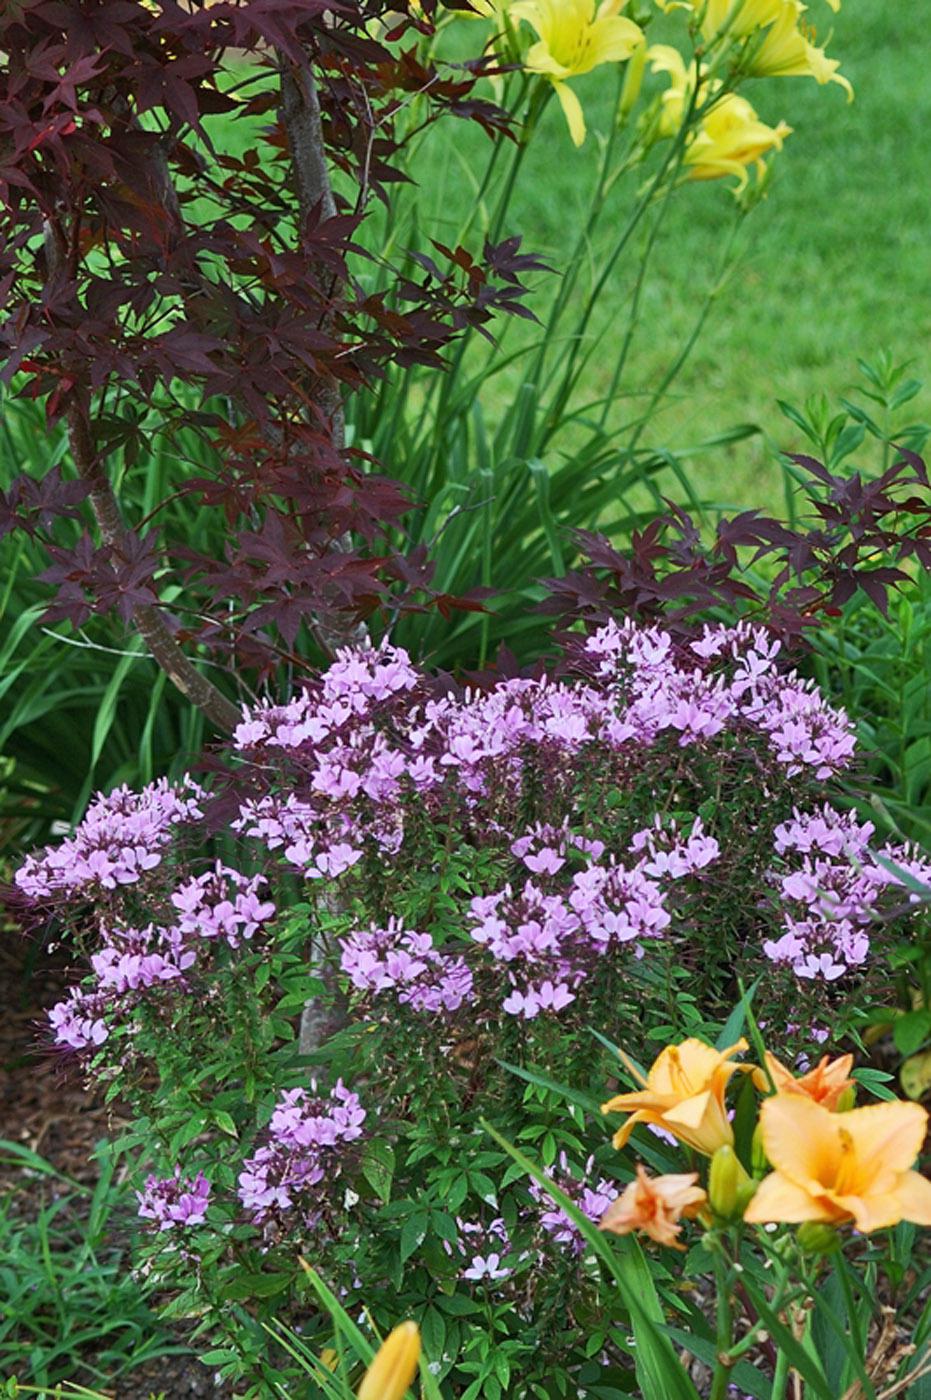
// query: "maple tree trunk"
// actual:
[[300, 117]]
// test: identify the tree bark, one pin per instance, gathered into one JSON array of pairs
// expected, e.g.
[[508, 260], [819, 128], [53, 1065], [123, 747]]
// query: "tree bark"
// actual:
[[300, 117]]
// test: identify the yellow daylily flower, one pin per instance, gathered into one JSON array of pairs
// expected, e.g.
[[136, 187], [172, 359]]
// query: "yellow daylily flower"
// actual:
[[786, 48], [787, 51], [740, 20], [682, 1093], [828, 1082], [573, 38], [663, 58], [837, 1168], [390, 1374], [730, 136], [655, 1205]]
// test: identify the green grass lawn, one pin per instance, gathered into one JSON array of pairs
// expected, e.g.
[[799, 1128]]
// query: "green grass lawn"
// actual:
[[835, 264]]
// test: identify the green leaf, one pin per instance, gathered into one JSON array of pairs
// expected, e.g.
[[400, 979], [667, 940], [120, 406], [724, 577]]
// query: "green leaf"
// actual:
[[659, 1371], [911, 1031], [378, 1164], [798, 1357], [744, 1376], [245, 1286], [734, 1025], [457, 1305], [413, 1233]]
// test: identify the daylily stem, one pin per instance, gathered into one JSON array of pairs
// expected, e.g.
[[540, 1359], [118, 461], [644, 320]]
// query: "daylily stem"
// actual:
[[780, 1376], [724, 1336]]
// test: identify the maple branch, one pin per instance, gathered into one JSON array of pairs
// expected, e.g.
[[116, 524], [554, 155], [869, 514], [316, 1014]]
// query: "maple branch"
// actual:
[[148, 620]]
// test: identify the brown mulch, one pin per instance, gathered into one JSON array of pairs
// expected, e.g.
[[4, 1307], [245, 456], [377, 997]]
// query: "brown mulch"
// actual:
[[44, 1104]]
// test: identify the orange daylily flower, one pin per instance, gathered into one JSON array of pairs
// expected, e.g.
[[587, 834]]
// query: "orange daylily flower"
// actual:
[[655, 1205], [684, 1094], [826, 1083], [841, 1167]]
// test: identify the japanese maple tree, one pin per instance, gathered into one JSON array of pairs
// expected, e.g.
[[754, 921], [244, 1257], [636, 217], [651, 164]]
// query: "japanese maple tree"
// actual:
[[152, 256]]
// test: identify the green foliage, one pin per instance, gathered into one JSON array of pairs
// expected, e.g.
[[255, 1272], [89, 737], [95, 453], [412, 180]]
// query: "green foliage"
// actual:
[[81, 710], [73, 1310], [819, 272], [876, 664]]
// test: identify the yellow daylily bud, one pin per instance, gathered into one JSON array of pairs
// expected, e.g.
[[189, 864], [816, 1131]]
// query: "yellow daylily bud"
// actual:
[[395, 1365], [329, 1358], [722, 1182], [633, 80], [815, 1238], [730, 1189]]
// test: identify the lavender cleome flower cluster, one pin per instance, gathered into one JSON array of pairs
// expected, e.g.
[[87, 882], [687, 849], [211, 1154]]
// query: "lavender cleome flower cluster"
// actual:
[[307, 1139], [360, 762], [835, 892], [482, 1250], [131, 962], [591, 1199], [487, 1253], [174, 1200], [122, 836], [407, 962]]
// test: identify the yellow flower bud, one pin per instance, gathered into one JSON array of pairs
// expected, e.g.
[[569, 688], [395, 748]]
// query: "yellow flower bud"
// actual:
[[395, 1365], [633, 80], [729, 1187], [816, 1238]]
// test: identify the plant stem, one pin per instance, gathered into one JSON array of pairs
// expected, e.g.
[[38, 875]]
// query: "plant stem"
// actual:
[[724, 1332], [780, 1376]]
